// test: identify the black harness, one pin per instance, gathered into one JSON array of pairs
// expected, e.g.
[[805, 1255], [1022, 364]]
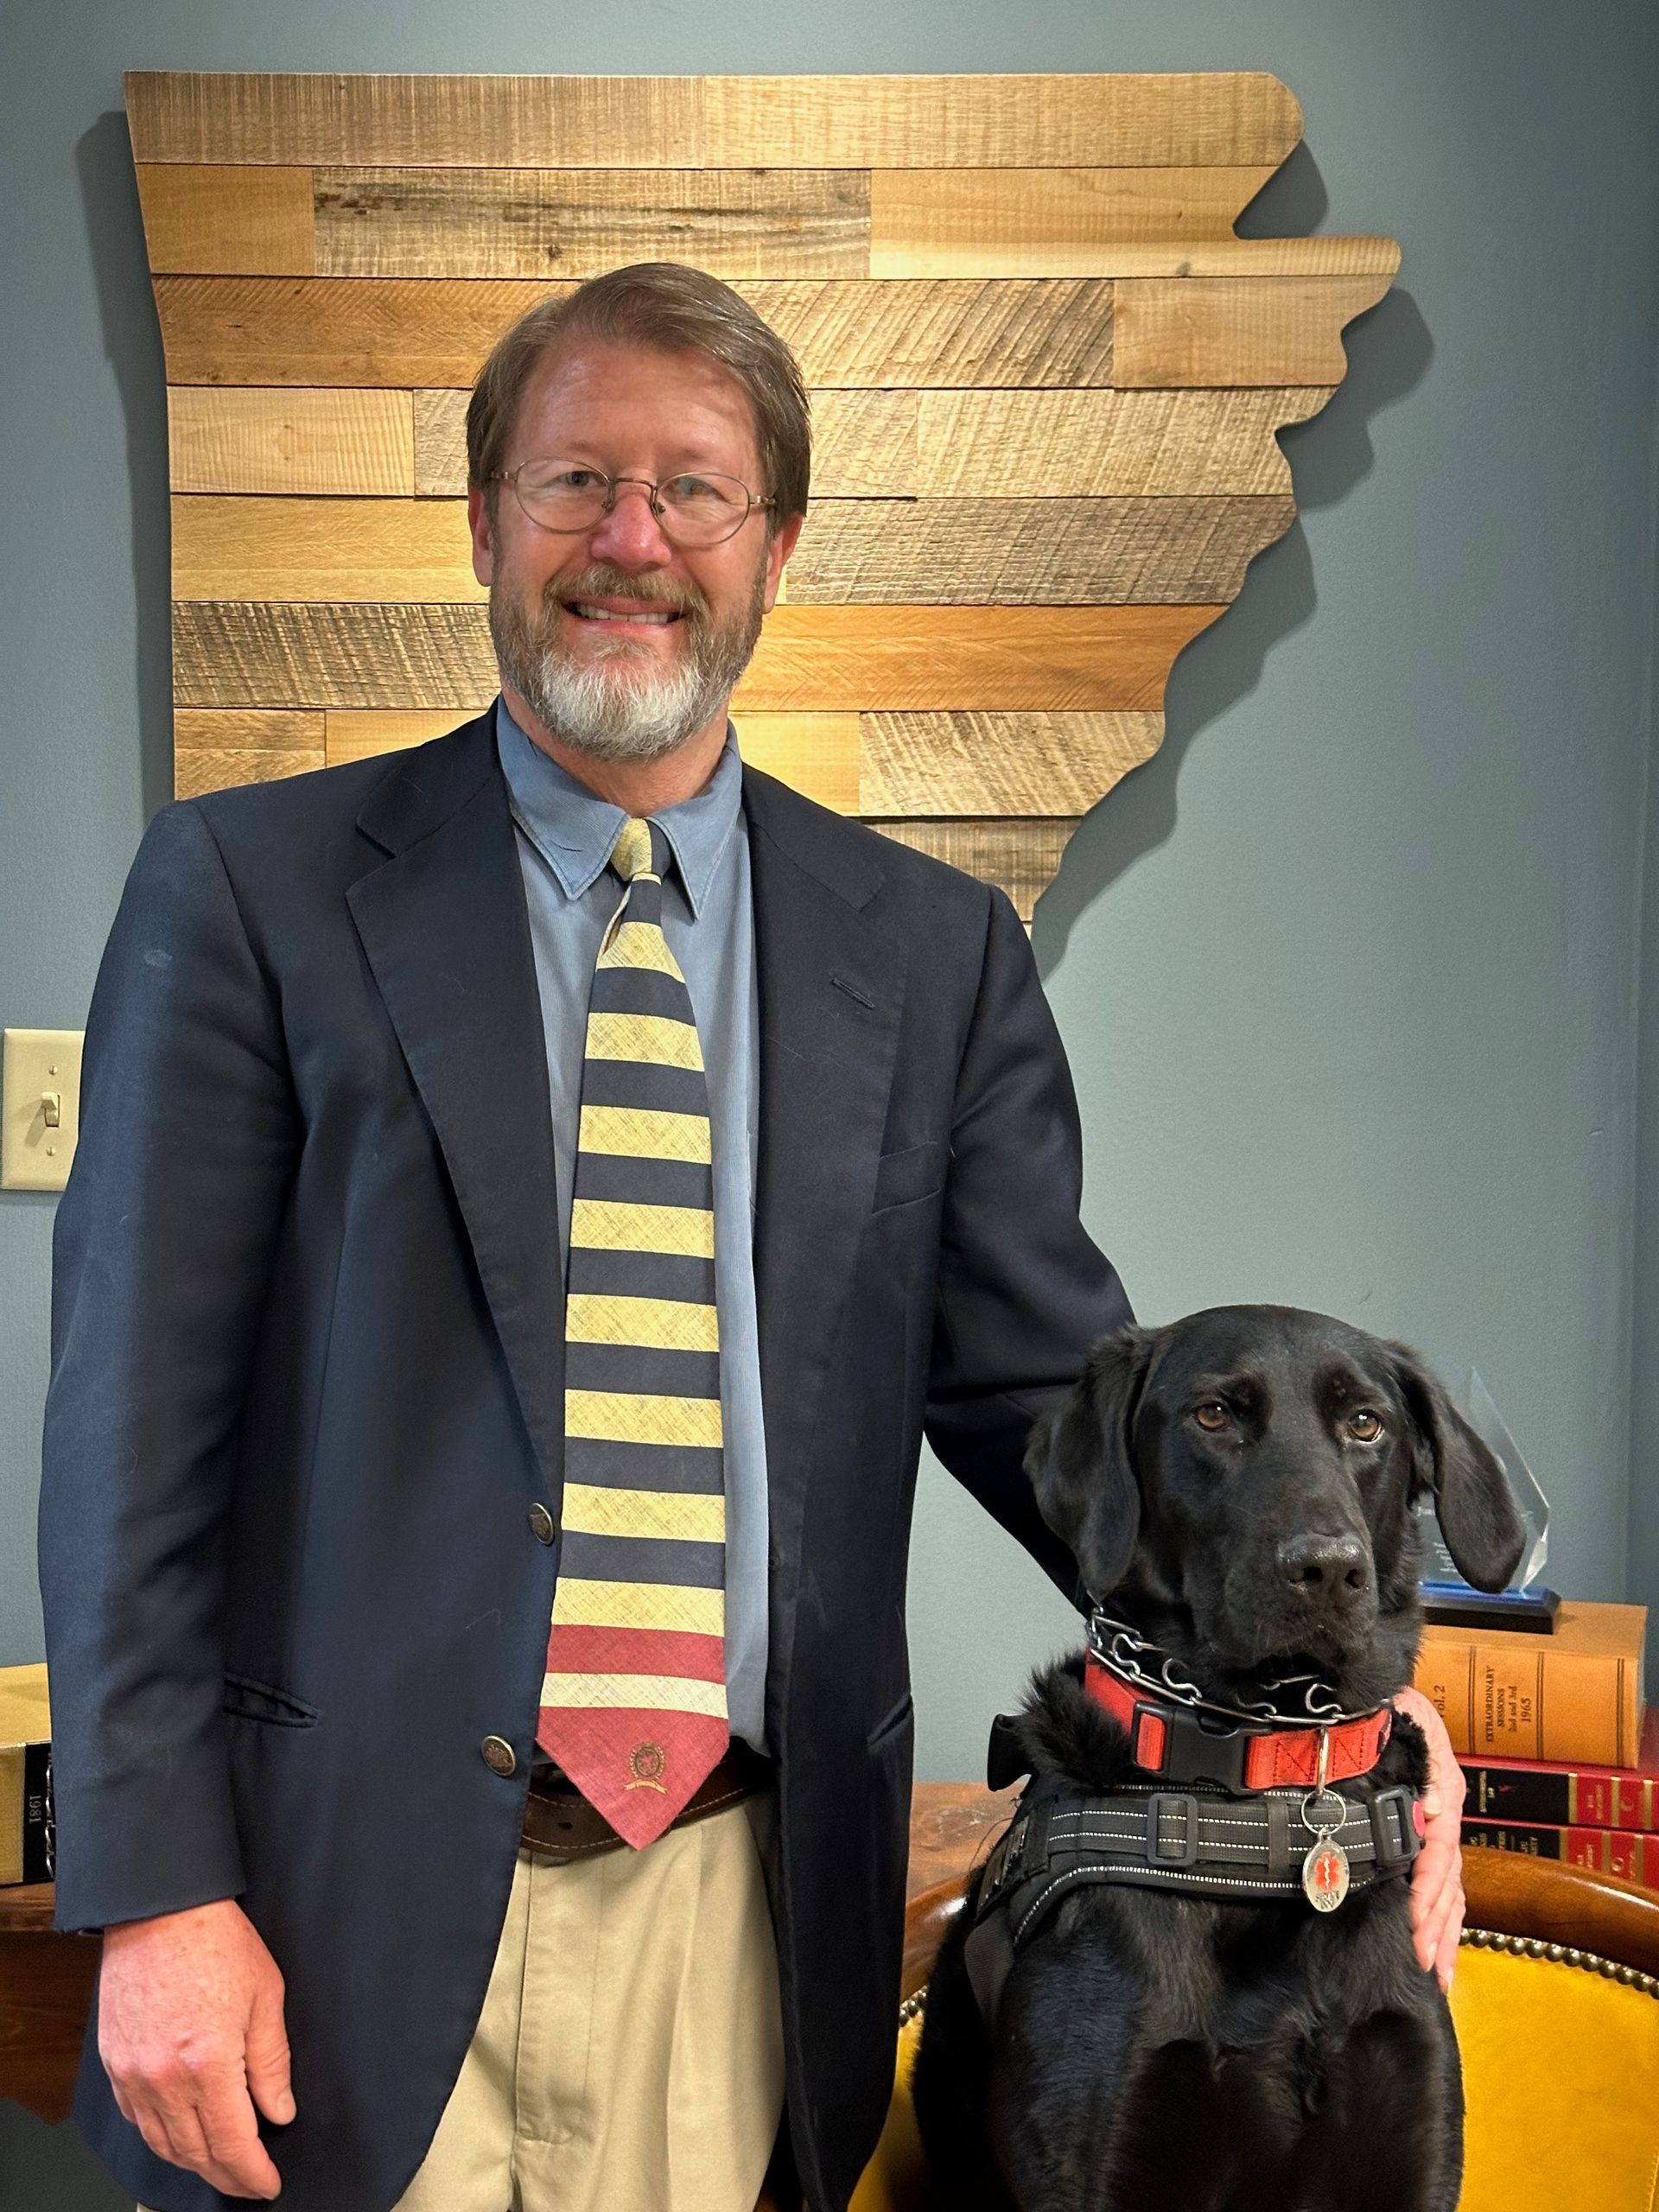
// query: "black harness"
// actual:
[[1205, 1841]]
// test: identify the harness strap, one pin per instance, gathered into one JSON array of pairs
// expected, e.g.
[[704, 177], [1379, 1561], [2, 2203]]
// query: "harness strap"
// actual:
[[1231, 1850]]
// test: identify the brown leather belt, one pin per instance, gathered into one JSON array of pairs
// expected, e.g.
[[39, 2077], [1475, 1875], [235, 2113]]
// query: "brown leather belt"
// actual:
[[561, 1825]]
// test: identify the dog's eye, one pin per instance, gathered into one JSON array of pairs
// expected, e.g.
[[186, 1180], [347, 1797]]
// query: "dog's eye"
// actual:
[[1365, 1427], [1212, 1415]]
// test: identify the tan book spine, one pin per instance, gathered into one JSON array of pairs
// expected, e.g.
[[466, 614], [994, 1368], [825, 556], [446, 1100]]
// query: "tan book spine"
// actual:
[[1520, 1698], [12, 1812]]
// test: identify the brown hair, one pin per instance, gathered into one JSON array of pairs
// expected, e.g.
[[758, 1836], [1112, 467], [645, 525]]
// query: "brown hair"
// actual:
[[676, 310]]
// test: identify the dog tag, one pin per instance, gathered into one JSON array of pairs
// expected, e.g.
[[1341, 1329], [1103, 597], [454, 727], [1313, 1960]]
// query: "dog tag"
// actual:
[[1325, 1875]]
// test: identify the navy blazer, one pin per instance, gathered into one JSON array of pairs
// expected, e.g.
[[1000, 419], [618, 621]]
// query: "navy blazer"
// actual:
[[306, 1389]]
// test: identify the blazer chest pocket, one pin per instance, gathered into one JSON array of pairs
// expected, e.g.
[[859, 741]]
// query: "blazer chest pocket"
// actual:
[[902, 1178], [246, 1700]]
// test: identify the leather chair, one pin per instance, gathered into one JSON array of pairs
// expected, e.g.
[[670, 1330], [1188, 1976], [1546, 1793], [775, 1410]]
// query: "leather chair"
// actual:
[[1557, 1999]]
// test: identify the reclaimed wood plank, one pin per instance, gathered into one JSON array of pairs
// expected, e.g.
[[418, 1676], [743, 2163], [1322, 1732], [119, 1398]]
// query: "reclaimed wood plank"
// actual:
[[240, 729], [1043, 222], [1003, 764], [1039, 121], [432, 331], [417, 121], [863, 444], [870, 658], [580, 222], [810, 660], [1107, 444], [276, 549], [231, 653], [1019, 857], [1140, 257], [197, 769], [231, 222], [817, 754], [1281, 330], [269, 439], [212, 751], [961, 552], [440, 443], [350, 734], [1032, 552]]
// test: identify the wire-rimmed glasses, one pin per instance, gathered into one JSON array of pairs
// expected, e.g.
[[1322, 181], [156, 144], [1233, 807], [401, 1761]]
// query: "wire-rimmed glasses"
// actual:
[[694, 509]]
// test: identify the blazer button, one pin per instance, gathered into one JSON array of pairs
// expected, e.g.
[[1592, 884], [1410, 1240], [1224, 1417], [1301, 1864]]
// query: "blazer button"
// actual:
[[498, 1755], [541, 1522]]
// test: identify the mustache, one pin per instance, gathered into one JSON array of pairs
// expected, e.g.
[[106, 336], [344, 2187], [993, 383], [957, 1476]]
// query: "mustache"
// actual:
[[598, 581]]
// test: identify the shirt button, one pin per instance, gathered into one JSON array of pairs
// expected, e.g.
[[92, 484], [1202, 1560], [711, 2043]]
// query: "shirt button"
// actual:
[[498, 1755], [541, 1522]]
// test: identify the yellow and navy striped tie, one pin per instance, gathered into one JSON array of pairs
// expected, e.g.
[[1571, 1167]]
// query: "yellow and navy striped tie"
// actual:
[[633, 1702]]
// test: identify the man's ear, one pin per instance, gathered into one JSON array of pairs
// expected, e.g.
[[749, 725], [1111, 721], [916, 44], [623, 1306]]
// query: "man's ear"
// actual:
[[1477, 1511], [1081, 1466]]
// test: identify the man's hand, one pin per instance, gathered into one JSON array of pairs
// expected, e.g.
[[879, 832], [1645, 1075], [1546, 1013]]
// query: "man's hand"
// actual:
[[190, 2032], [1437, 1879]]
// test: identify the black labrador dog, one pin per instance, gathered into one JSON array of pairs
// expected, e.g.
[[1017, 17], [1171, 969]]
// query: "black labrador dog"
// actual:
[[1241, 1487]]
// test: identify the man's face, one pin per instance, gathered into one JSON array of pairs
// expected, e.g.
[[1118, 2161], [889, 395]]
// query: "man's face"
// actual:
[[619, 642]]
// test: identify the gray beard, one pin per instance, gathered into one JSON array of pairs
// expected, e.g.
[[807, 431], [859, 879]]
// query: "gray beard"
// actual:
[[617, 709]]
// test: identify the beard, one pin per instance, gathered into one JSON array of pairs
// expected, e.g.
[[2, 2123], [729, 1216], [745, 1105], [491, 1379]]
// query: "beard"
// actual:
[[615, 705]]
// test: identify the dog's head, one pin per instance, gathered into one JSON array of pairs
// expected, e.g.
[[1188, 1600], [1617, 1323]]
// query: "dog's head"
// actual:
[[1241, 1484]]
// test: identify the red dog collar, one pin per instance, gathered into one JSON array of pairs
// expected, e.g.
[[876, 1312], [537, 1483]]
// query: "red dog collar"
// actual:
[[1168, 1740]]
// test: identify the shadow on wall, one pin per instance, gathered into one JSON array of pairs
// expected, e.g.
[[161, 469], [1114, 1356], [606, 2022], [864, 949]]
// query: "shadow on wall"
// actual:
[[132, 346], [1388, 352]]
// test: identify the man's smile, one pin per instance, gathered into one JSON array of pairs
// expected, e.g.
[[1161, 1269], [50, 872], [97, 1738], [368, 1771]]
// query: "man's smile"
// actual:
[[629, 614]]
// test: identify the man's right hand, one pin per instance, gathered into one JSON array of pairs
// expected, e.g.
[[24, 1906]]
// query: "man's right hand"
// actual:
[[190, 2032]]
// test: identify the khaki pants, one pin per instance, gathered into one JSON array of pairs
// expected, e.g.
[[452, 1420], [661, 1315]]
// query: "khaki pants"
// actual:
[[629, 2058]]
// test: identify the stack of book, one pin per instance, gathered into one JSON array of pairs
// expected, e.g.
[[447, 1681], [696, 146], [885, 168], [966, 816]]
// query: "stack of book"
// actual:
[[1553, 1737], [25, 1776]]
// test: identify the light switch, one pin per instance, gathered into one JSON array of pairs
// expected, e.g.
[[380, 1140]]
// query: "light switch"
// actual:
[[40, 1107]]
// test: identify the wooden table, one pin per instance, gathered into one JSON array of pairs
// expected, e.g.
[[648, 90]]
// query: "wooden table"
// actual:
[[46, 1979]]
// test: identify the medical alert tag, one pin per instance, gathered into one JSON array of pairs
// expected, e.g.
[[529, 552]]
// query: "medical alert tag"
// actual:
[[1325, 1875], [1325, 1870]]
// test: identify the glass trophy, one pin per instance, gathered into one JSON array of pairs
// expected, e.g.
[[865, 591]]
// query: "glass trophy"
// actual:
[[1527, 1603]]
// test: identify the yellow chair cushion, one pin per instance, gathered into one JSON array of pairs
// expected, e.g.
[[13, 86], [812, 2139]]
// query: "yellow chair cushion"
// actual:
[[1561, 2079], [1561, 2076]]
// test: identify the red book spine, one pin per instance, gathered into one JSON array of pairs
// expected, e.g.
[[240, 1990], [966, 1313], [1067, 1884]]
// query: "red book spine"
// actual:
[[1589, 1797], [1634, 1856]]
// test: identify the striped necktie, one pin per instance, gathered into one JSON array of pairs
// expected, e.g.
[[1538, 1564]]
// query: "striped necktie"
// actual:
[[633, 1702]]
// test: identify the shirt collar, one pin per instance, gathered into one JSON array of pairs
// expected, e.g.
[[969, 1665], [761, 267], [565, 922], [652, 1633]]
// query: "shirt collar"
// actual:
[[575, 831]]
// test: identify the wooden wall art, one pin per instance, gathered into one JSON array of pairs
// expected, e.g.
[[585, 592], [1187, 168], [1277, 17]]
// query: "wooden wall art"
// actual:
[[1045, 378]]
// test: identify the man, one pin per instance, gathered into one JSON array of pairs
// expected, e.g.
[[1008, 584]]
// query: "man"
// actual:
[[534, 1194]]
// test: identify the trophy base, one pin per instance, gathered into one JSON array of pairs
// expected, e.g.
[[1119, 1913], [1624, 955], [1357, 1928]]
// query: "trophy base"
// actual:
[[1455, 1605]]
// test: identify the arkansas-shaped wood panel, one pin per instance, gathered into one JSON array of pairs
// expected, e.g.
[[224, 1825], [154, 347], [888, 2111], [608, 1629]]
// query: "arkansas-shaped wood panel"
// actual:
[[1047, 381]]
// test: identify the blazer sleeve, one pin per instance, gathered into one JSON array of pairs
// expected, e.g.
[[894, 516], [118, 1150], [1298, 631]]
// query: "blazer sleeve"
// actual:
[[1023, 1289], [161, 1261]]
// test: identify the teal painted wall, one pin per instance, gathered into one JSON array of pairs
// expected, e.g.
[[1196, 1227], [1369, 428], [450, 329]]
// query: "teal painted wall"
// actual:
[[1352, 975]]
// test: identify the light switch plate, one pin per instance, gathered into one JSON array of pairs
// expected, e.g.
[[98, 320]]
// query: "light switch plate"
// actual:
[[40, 1066]]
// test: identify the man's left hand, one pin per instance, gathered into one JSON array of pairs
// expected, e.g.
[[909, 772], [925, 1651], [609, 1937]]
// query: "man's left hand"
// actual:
[[1437, 1879]]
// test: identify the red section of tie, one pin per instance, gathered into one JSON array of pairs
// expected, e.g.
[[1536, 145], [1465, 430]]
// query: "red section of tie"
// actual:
[[638, 1765]]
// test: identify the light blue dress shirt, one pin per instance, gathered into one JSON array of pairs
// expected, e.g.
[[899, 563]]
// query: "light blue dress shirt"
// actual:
[[565, 835]]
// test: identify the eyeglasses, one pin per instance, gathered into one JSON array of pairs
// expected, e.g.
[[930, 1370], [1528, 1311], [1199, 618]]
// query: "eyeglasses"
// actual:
[[691, 510]]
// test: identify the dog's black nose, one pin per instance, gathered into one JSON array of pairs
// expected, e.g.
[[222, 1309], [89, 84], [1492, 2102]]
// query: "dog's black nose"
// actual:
[[1331, 1571]]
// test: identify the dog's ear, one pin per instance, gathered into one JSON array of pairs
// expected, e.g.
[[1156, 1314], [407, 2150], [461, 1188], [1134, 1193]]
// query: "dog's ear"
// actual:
[[1477, 1511], [1081, 1466]]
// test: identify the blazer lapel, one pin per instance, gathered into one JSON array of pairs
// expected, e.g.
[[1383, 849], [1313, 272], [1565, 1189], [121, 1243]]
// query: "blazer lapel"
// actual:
[[444, 926], [831, 990]]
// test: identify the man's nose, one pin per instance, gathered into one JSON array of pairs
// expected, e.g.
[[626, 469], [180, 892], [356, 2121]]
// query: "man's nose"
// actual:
[[630, 535], [1331, 1572]]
